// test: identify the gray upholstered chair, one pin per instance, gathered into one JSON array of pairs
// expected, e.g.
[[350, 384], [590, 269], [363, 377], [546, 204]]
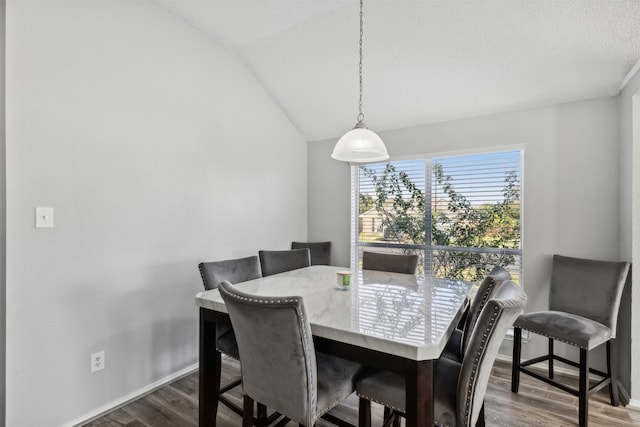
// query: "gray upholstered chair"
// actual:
[[460, 338], [234, 271], [320, 251], [584, 298], [459, 388], [274, 262], [280, 367], [393, 263], [231, 270]]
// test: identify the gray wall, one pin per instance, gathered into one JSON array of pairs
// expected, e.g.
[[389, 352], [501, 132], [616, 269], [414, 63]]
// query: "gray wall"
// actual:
[[157, 149], [630, 228], [571, 184]]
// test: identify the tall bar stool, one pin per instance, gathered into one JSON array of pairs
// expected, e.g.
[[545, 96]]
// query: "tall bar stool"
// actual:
[[320, 251], [234, 271], [460, 338], [393, 263], [584, 298], [459, 387], [274, 262], [280, 367]]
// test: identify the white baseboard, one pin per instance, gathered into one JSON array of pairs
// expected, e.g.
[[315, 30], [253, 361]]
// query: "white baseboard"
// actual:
[[118, 403], [624, 394], [634, 404]]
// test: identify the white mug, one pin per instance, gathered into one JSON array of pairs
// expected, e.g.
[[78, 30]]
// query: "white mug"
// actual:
[[344, 279]]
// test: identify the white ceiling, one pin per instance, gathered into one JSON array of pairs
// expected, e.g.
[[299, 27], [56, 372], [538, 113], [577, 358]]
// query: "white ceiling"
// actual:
[[424, 61]]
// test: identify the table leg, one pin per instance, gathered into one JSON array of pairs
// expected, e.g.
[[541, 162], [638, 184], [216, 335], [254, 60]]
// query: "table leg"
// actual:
[[209, 372], [419, 394]]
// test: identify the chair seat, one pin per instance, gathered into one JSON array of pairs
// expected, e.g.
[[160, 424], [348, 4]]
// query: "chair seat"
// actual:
[[336, 380], [561, 326], [389, 390], [228, 345]]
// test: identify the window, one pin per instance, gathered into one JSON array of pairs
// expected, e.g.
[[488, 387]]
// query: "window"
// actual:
[[460, 214]]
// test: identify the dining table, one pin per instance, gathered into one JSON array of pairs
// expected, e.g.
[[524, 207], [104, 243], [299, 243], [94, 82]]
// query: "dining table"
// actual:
[[392, 321]]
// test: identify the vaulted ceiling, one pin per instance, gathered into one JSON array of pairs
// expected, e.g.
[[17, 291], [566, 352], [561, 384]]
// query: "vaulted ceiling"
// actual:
[[424, 61]]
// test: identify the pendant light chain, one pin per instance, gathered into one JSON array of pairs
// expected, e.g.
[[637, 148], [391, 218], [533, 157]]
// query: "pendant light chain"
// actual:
[[361, 115], [360, 145]]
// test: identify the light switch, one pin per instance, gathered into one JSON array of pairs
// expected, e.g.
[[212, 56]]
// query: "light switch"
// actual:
[[44, 217]]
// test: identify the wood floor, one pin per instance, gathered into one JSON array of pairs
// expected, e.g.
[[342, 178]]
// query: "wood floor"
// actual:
[[176, 405]]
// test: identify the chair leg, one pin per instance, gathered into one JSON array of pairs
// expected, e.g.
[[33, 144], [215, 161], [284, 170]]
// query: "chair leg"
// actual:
[[390, 420], [612, 370], [262, 415], [515, 362], [216, 384], [247, 412], [583, 389], [364, 413], [550, 358], [480, 422]]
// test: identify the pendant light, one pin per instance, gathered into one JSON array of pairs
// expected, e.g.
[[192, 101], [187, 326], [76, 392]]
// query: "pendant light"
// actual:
[[360, 145]]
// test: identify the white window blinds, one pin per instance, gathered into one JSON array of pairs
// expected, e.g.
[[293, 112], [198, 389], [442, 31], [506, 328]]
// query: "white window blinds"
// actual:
[[460, 214]]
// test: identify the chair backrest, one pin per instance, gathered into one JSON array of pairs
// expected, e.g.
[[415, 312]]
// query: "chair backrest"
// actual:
[[588, 288], [231, 270], [320, 251], [494, 321], [274, 262], [485, 291], [393, 263], [276, 348]]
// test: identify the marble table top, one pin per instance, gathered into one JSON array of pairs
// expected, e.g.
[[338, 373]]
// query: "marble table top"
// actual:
[[406, 315]]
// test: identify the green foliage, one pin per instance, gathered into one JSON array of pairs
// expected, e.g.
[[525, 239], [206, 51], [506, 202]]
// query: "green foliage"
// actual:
[[366, 202], [461, 225], [401, 204]]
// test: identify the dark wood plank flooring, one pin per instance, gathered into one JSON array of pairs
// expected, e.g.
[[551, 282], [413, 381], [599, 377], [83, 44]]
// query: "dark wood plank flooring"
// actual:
[[176, 405]]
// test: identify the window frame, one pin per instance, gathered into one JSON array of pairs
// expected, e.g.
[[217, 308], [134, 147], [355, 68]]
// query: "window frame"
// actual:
[[427, 247]]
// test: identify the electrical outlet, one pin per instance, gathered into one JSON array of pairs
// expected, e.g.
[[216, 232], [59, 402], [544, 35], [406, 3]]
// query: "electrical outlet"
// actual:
[[97, 361]]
